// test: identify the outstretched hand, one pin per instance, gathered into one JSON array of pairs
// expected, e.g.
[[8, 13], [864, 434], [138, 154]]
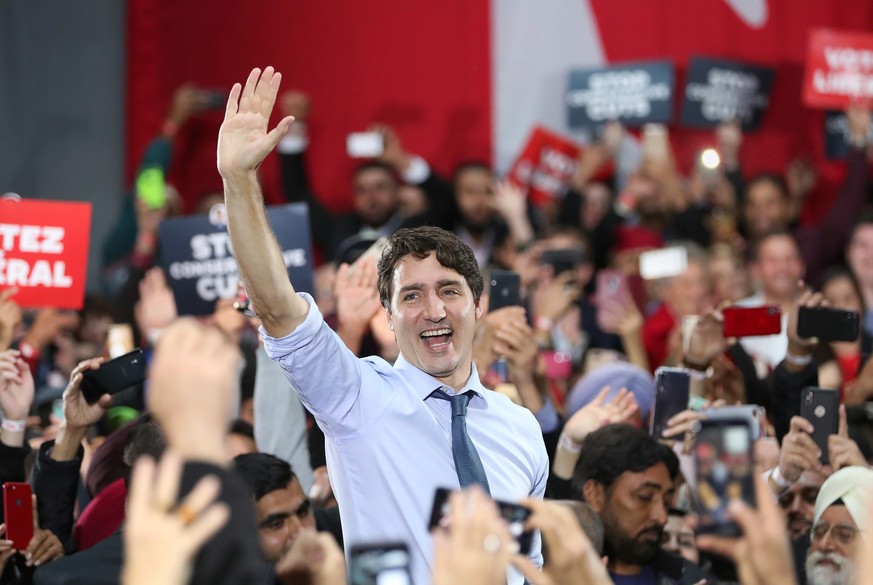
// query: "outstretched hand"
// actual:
[[243, 140]]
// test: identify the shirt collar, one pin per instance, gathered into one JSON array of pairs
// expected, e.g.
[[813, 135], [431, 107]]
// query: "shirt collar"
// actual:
[[424, 384]]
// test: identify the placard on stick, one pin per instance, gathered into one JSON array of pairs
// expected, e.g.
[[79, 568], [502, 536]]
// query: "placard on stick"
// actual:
[[634, 94], [720, 91], [44, 251], [839, 69], [197, 257], [545, 165]]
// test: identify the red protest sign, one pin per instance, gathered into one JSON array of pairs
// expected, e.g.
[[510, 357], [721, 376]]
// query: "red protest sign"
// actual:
[[545, 165], [44, 251], [839, 69]]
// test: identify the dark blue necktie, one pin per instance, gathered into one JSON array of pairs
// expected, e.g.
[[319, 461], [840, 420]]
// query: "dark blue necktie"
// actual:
[[467, 462]]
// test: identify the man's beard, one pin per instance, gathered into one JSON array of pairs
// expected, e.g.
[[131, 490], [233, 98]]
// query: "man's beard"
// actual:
[[626, 549], [842, 574], [796, 532]]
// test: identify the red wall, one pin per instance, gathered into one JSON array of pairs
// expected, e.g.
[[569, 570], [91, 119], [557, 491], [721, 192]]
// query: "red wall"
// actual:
[[422, 67]]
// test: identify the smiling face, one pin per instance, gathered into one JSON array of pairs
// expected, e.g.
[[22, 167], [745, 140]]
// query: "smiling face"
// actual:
[[433, 314]]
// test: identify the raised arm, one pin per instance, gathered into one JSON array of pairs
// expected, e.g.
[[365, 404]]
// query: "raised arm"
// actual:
[[243, 143]]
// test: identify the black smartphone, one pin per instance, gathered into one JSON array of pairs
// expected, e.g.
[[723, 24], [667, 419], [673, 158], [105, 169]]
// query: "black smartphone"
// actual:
[[380, 564], [724, 470], [563, 260], [821, 407], [828, 324], [672, 390], [114, 376], [515, 516], [504, 289]]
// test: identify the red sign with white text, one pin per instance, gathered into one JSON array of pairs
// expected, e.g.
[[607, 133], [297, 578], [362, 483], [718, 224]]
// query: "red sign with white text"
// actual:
[[839, 69], [545, 166], [44, 251]]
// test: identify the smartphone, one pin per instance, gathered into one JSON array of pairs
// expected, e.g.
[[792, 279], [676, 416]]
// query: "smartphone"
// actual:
[[504, 289], [18, 513], [754, 415], [752, 321], [119, 340], [114, 376], [151, 187], [515, 516], [821, 407], [364, 144], [612, 287], [724, 470], [663, 263], [672, 389], [380, 564], [828, 324], [689, 322], [563, 260]]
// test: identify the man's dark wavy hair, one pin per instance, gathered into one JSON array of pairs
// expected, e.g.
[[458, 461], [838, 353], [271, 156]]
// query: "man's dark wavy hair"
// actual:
[[420, 242]]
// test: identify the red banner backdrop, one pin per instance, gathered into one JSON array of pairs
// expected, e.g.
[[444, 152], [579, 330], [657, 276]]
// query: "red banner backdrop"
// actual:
[[422, 67], [425, 68]]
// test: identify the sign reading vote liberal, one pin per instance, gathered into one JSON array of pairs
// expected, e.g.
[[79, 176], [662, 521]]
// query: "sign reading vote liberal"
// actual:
[[44, 251], [721, 91], [633, 94], [839, 69], [199, 263], [545, 166]]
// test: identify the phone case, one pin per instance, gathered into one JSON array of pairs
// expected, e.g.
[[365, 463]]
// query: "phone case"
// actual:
[[820, 406], [612, 287], [672, 389], [515, 516], [18, 513], [373, 564], [724, 470], [828, 324], [504, 290], [114, 376], [752, 321], [563, 260]]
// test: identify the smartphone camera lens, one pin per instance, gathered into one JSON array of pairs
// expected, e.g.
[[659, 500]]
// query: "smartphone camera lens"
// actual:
[[771, 311]]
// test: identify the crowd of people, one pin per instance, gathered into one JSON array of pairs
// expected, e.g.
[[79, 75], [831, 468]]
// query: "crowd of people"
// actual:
[[288, 436]]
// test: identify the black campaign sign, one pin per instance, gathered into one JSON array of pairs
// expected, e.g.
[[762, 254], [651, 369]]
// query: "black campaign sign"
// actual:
[[721, 91], [633, 94], [199, 263]]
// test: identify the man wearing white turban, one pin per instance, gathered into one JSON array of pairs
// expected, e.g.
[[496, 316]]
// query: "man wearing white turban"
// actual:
[[841, 513]]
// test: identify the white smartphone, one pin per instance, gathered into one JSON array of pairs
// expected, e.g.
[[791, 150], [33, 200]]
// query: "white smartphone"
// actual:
[[364, 144], [663, 263]]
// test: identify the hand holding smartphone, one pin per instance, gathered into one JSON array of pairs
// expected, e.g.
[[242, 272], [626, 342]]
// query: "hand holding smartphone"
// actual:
[[752, 321], [672, 390], [724, 470], [18, 513], [821, 407], [114, 376], [380, 564], [504, 289], [515, 516], [828, 324]]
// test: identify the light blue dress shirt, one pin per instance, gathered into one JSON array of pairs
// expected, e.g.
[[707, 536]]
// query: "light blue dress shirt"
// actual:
[[389, 448]]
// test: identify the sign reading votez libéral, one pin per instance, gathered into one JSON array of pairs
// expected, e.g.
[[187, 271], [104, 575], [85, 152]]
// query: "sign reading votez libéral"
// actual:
[[197, 257], [721, 91], [44, 251], [634, 94], [545, 166], [839, 69]]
